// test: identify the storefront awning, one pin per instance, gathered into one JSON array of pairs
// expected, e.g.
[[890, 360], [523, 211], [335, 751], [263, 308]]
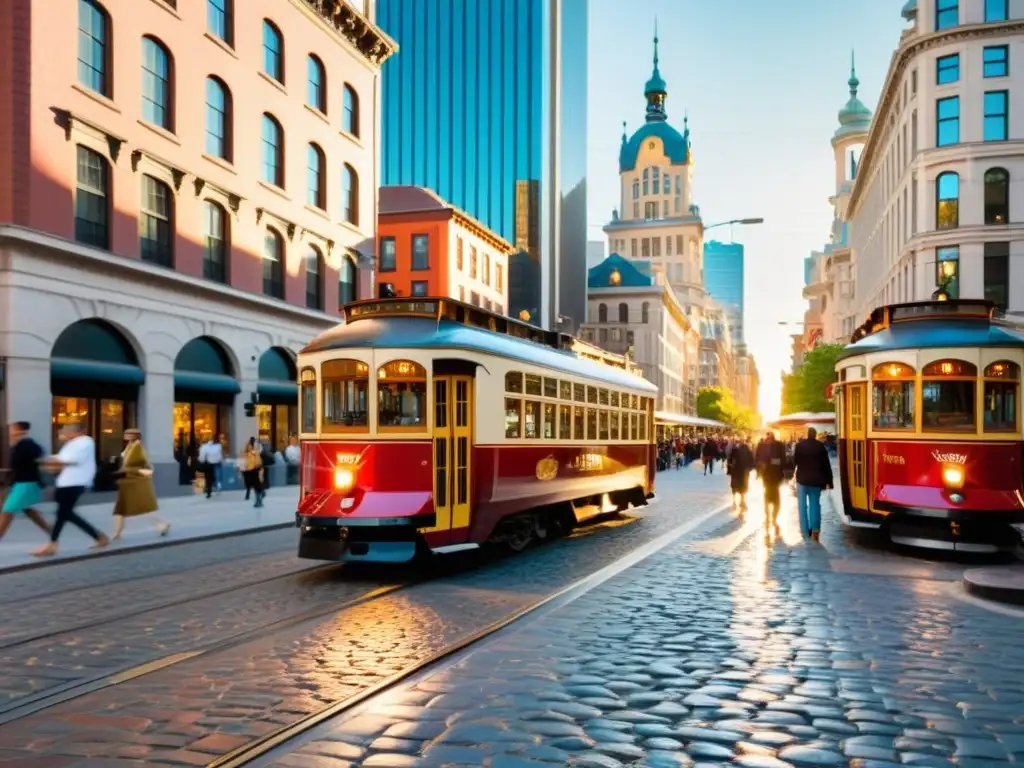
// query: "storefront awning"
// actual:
[[206, 382], [278, 390], [96, 371]]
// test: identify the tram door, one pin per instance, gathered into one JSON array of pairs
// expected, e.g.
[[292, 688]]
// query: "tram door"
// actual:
[[855, 398], [453, 443]]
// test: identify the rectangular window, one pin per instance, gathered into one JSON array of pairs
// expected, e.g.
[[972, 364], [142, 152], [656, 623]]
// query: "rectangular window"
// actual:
[[92, 210], [472, 262], [548, 428], [996, 10], [420, 252], [458, 254], [218, 19], [474, 298], [893, 406], [512, 417], [419, 288], [578, 432], [531, 419], [155, 231], [947, 69], [947, 270], [645, 248], [656, 247], [215, 245], [996, 61], [997, 274], [92, 47], [947, 14], [632, 248], [565, 422], [485, 269], [947, 121], [996, 111], [387, 255], [308, 399], [499, 278]]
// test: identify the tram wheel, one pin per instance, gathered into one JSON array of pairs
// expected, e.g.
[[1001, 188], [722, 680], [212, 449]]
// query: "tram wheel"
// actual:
[[521, 536]]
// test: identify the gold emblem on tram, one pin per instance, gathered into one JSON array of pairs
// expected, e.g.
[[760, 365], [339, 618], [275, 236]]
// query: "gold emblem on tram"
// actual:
[[890, 458], [950, 458], [547, 469]]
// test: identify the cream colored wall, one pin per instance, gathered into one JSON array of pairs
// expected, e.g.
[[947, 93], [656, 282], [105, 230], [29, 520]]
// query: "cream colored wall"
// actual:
[[461, 280]]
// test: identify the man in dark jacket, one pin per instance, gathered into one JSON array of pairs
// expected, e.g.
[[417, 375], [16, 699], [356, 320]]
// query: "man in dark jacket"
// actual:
[[770, 458], [813, 473]]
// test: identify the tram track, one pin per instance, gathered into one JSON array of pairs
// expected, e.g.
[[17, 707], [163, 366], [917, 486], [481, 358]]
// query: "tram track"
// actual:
[[76, 689], [284, 739]]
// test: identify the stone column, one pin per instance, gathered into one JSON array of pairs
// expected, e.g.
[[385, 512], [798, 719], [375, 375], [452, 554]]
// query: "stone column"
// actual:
[[27, 391], [156, 420]]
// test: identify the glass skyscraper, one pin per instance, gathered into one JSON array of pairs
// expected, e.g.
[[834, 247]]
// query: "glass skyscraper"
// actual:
[[723, 278], [485, 103]]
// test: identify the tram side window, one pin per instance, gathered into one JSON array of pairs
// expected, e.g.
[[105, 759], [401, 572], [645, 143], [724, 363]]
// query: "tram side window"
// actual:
[[512, 417], [514, 382], [947, 396], [591, 424], [565, 422], [401, 395], [615, 425], [531, 419], [346, 384], [893, 396], [1001, 382], [307, 385], [548, 431]]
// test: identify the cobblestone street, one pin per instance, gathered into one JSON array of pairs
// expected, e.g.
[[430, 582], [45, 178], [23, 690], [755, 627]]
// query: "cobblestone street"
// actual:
[[743, 645], [195, 708]]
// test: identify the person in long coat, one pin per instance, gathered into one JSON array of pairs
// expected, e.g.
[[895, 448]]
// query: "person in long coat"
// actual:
[[770, 459], [135, 492], [740, 465]]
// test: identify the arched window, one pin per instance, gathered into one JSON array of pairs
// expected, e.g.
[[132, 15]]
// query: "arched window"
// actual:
[[646, 180], [156, 233], [347, 286], [947, 396], [273, 264], [602, 313], [636, 190], [623, 312], [218, 119], [215, 242], [316, 182], [157, 82], [656, 180], [1000, 408], [997, 196], [94, 47], [314, 278], [893, 392], [273, 51], [401, 396], [349, 194], [947, 200], [350, 110], [645, 311], [92, 198], [273, 151], [316, 83]]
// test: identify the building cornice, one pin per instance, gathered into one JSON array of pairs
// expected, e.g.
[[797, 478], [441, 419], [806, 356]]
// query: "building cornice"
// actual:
[[354, 28], [77, 255], [907, 52], [614, 226]]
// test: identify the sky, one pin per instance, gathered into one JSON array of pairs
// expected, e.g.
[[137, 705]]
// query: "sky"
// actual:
[[762, 83]]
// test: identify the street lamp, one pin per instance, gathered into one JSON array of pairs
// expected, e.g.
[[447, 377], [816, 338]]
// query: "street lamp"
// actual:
[[758, 220]]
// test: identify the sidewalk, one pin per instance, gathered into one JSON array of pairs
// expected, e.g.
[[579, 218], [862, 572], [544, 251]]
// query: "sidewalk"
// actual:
[[191, 517]]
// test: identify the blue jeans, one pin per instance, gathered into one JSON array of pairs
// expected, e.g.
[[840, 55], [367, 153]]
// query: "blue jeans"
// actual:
[[808, 502]]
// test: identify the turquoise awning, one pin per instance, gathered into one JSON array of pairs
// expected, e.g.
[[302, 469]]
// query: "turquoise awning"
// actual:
[[206, 382], [96, 371], [278, 389]]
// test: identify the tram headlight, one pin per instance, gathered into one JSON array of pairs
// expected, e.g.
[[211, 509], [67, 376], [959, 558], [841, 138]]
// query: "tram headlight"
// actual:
[[953, 476], [344, 479]]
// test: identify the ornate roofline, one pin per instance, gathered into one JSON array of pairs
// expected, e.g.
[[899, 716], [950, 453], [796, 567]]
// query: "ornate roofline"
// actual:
[[365, 36], [890, 91]]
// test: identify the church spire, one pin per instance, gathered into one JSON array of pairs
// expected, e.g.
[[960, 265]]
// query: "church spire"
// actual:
[[853, 82], [655, 90]]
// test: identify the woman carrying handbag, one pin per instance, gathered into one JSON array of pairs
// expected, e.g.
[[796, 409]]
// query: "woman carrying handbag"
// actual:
[[135, 492]]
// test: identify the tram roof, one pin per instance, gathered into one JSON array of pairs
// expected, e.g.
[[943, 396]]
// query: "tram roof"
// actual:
[[423, 331], [931, 324]]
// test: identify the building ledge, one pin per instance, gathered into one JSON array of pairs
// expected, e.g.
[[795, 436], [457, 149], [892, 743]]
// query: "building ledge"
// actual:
[[361, 33], [77, 255], [820, 288]]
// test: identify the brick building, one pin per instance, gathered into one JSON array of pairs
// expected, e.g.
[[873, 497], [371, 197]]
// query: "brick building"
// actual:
[[186, 194]]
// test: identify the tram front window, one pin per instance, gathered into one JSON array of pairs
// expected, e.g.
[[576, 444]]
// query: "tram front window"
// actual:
[[1001, 397], [893, 396], [947, 396], [345, 387], [401, 395]]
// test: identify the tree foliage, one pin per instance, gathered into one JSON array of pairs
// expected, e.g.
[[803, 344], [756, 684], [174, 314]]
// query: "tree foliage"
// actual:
[[805, 388], [718, 403]]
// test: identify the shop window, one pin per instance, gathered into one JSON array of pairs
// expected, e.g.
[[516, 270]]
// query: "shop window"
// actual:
[[401, 396], [1002, 380], [307, 388], [947, 396], [893, 396], [346, 385]]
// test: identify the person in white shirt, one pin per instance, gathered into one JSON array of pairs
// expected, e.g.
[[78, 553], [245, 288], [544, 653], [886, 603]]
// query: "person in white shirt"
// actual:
[[75, 465], [211, 456]]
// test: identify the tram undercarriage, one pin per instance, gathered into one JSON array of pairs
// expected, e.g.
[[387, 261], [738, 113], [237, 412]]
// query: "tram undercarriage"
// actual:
[[937, 530]]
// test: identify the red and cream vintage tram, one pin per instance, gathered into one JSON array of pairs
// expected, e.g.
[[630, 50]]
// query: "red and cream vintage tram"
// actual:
[[929, 426], [431, 425]]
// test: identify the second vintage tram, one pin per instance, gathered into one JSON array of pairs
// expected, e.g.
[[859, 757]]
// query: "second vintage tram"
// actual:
[[432, 425], [929, 425]]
